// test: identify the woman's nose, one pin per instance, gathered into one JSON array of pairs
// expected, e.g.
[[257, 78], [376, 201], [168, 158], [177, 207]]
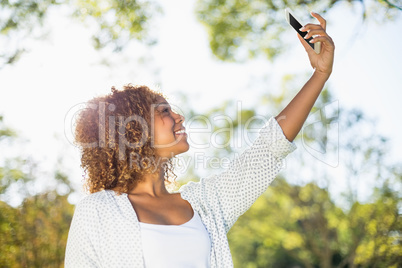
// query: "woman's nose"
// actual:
[[179, 118]]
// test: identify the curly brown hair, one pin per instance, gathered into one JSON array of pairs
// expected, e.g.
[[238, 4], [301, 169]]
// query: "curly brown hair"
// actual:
[[110, 131]]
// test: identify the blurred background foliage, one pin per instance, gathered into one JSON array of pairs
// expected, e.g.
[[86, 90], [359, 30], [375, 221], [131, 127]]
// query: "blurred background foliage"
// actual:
[[237, 29], [34, 234], [241, 29], [291, 225], [116, 22]]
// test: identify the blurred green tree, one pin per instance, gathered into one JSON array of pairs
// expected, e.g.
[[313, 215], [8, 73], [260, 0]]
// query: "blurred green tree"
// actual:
[[237, 29], [300, 226], [33, 234], [242, 29], [117, 22]]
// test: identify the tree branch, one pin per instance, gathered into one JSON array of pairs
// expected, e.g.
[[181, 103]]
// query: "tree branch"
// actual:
[[392, 5]]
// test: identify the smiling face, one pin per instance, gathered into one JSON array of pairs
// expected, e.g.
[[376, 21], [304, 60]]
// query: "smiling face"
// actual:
[[170, 138]]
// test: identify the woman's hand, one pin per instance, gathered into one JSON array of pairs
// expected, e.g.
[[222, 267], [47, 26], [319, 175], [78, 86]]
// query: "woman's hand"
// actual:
[[322, 63]]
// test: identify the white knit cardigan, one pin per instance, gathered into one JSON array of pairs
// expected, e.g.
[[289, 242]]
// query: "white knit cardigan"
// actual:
[[105, 231]]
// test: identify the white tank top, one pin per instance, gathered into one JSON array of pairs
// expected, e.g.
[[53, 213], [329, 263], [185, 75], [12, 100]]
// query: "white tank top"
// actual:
[[186, 245]]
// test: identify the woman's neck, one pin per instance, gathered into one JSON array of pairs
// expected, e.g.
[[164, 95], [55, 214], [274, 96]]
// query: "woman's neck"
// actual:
[[151, 184]]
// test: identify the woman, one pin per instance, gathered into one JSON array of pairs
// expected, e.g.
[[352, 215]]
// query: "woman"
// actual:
[[128, 139]]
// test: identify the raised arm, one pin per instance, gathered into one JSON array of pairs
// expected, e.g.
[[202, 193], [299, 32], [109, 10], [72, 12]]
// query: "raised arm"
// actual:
[[292, 118]]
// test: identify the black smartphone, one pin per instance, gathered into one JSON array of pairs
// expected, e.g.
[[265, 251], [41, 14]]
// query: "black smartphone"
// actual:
[[297, 25]]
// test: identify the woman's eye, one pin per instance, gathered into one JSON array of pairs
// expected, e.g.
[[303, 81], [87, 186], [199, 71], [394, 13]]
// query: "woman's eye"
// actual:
[[165, 110]]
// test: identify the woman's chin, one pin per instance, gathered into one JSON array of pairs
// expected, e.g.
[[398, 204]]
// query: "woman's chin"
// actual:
[[183, 150], [172, 153]]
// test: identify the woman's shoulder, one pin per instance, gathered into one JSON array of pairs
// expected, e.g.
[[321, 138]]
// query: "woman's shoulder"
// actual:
[[98, 199]]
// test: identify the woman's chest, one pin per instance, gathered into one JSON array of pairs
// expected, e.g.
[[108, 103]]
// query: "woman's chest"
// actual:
[[171, 210]]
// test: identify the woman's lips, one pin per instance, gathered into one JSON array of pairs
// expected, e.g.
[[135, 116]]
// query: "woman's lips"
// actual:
[[181, 132]]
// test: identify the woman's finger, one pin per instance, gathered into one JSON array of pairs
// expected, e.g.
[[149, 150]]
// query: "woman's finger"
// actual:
[[322, 21], [311, 33], [311, 26], [312, 29], [306, 46], [326, 40]]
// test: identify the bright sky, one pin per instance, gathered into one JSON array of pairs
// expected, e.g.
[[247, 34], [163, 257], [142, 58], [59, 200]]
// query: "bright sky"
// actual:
[[58, 73]]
